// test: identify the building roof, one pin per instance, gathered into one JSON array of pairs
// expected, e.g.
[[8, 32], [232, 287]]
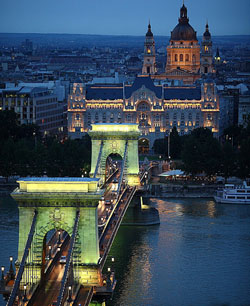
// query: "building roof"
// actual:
[[104, 92], [183, 30], [207, 34], [149, 32], [115, 91], [182, 93], [143, 81], [58, 179]]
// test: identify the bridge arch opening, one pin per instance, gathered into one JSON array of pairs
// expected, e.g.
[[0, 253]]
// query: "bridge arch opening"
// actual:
[[113, 164], [54, 249], [143, 146]]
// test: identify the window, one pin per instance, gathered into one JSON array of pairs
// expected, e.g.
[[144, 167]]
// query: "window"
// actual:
[[128, 118], [111, 117], [181, 57], [176, 57], [187, 57], [194, 58], [148, 70], [143, 107]]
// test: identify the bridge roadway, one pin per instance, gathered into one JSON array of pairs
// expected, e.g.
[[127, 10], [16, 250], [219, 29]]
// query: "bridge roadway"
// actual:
[[49, 287]]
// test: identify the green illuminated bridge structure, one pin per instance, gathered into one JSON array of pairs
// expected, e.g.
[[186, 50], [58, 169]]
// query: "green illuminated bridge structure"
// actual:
[[67, 225]]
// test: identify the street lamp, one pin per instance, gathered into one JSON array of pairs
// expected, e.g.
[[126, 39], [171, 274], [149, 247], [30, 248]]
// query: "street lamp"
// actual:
[[59, 237], [49, 251], [70, 295], [11, 270], [25, 294], [113, 259], [2, 269]]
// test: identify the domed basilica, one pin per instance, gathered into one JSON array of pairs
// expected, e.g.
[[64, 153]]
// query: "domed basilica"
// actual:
[[185, 59]]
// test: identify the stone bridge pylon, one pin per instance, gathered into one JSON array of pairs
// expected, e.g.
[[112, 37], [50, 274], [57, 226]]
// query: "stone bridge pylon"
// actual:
[[113, 138]]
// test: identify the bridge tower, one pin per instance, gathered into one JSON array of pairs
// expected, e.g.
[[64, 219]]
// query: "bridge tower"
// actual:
[[60, 204], [115, 138]]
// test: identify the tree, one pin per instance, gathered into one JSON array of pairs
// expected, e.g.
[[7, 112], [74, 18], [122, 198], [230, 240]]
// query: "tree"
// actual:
[[201, 152], [161, 146], [228, 159], [7, 159], [8, 125], [175, 144]]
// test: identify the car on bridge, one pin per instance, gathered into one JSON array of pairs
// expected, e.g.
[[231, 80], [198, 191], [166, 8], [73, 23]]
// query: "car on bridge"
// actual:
[[63, 260]]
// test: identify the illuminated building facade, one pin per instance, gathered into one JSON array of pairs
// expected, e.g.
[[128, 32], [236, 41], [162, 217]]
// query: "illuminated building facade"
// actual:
[[156, 108]]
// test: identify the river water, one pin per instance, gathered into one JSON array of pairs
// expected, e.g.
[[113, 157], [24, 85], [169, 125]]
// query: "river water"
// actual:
[[198, 255]]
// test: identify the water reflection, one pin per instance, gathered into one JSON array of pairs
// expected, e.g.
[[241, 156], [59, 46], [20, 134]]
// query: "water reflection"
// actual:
[[199, 255]]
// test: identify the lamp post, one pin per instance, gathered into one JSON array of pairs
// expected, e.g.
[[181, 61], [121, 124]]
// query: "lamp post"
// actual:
[[69, 300], [25, 300], [2, 269], [49, 251], [59, 237], [11, 270], [169, 143], [2, 283]]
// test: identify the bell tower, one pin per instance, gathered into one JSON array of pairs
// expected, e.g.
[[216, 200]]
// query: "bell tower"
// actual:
[[149, 65], [206, 53]]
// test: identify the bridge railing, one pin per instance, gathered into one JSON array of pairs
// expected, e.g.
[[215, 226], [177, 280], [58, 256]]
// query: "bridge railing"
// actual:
[[14, 291], [68, 261], [113, 234]]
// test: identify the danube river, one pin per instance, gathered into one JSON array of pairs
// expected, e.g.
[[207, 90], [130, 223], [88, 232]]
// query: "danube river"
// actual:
[[198, 255]]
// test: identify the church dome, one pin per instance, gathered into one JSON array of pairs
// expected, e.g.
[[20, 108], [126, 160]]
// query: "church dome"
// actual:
[[183, 30]]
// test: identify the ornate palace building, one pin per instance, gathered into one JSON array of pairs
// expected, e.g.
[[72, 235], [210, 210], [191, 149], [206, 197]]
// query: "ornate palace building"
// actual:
[[156, 108]]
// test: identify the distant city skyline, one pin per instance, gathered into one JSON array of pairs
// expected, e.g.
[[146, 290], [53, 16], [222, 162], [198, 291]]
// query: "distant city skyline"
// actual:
[[130, 17]]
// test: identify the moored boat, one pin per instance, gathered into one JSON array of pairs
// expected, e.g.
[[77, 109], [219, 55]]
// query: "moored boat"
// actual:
[[234, 194]]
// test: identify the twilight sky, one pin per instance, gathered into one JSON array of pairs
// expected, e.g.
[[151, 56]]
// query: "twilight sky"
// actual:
[[125, 17]]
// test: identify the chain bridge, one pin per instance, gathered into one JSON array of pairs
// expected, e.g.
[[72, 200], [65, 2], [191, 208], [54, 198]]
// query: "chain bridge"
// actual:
[[67, 225]]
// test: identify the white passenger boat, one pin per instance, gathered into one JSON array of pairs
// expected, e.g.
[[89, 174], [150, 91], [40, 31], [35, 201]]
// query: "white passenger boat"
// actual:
[[234, 194]]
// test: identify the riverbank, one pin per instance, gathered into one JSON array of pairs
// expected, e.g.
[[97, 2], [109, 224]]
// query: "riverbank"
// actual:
[[175, 190], [7, 188], [177, 195]]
